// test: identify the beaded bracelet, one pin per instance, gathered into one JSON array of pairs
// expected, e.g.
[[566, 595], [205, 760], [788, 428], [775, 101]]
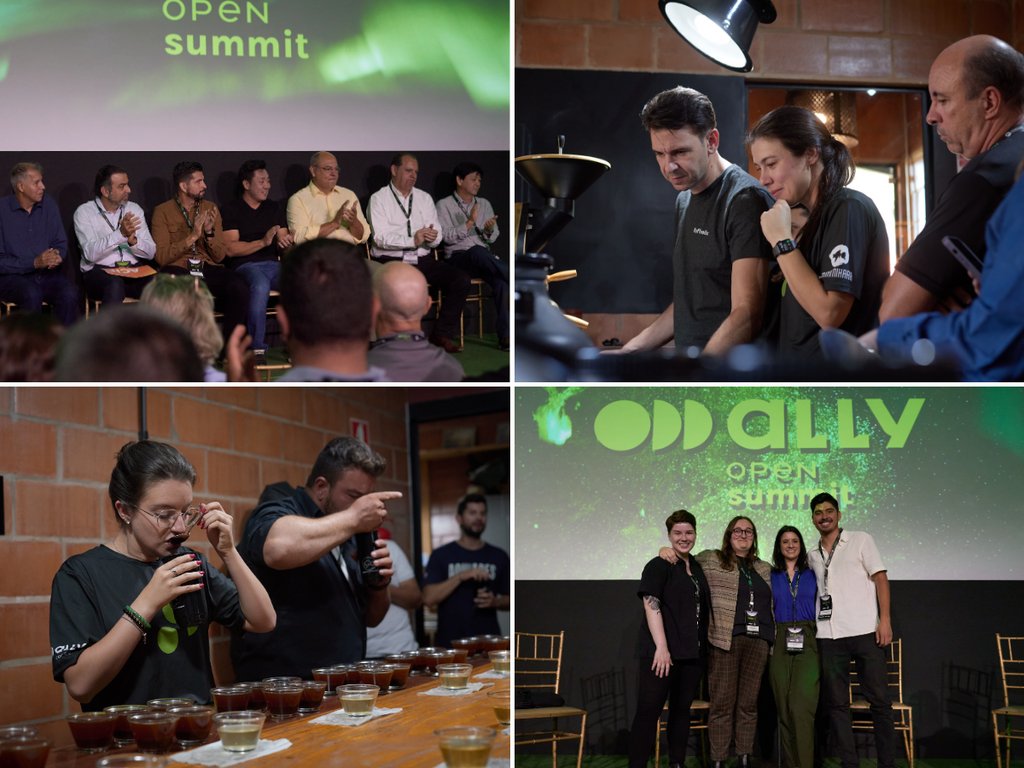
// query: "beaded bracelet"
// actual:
[[137, 616], [131, 620]]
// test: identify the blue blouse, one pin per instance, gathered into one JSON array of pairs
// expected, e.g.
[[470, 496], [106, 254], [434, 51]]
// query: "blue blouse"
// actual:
[[807, 588]]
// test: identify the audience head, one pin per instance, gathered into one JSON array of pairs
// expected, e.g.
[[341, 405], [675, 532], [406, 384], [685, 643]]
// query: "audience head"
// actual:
[[681, 122], [27, 182], [404, 170], [800, 161], [111, 184], [188, 180], [187, 300], [253, 180], [28, 345], [468, 177], [326, 296], [323, 167], [128, 343], [977, 90], [404, 299]]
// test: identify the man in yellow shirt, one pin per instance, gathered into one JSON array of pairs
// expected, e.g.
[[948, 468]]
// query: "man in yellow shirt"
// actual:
[[323, 209]]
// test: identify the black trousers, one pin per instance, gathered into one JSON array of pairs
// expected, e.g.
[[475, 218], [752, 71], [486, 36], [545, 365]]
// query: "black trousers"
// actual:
[[680, 688], [111, 289], [874, 683], [230, 293]]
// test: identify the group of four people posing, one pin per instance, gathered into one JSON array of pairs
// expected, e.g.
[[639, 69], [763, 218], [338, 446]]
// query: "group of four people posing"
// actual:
[[726, 612]]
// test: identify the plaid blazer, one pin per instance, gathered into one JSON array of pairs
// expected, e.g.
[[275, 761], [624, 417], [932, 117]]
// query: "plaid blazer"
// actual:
[[725, 587]]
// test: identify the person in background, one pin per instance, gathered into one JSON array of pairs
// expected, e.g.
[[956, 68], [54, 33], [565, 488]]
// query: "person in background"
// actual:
[[187, 301], [394, 634], [793, 669], [115, 638], [672, 645], [28, 346]]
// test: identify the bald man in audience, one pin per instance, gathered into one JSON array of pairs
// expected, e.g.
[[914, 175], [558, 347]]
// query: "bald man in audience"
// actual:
[[977, 90], [401, 348]]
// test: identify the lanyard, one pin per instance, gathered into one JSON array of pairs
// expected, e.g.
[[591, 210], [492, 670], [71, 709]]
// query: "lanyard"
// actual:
[[408, 214], [185, 214], [463, 206], [830, 553], [120, 248], [794, 588], [696, 599], [750, 584]]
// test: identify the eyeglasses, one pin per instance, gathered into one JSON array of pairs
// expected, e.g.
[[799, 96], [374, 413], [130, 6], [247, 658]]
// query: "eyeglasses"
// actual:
[[329, 168], [743, 533], [167, 519]]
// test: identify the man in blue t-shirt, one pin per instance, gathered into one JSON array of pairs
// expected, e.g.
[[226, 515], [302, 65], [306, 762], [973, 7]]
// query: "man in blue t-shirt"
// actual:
[[467, 580]]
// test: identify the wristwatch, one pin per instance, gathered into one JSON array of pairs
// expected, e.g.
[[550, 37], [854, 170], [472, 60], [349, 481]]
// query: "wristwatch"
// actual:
[[783, 246]]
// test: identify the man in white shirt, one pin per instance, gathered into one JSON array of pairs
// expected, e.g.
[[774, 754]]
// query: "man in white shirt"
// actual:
[[853, 624], [469, 227], [113, 235], [405, 226], [394, 634], [323, 209]]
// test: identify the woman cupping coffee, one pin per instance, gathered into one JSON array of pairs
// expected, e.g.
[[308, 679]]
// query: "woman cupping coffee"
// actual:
[[129, 618]]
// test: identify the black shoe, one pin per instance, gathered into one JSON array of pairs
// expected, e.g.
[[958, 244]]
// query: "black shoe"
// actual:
[[261, 356], [504, 345], [446, 344]]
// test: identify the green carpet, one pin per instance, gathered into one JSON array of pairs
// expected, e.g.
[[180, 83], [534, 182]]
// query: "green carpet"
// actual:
[[620, 761], [478, 357]]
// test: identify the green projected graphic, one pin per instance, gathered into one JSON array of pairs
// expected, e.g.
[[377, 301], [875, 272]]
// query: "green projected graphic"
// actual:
[[927, 471]]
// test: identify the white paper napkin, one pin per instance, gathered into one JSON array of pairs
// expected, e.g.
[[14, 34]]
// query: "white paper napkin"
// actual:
[[493, 762], [215, 754], [471, 688], [491, 675], [338, 717]]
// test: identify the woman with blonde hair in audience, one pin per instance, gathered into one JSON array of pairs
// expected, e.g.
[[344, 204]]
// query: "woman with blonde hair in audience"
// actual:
[[187, 300]]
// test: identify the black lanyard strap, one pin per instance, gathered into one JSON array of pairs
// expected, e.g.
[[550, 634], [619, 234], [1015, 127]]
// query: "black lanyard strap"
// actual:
[[750, 584], [187, 221], [831, 552], [408, 214], [794, 589]]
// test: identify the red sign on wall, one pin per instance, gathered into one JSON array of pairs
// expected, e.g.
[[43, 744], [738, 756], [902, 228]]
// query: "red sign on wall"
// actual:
[[360, 430]]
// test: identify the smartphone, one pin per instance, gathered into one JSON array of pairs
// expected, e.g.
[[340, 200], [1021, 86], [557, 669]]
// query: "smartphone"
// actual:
[[963, 253]]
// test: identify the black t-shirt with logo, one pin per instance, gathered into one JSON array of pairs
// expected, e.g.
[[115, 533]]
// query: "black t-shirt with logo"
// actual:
[[850, 253], [253, 224], [674, 589], [714, 228], [963, 211], [89, 594]]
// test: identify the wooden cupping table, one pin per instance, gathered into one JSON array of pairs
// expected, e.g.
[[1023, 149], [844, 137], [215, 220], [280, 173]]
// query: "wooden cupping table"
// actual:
[[404, 739]]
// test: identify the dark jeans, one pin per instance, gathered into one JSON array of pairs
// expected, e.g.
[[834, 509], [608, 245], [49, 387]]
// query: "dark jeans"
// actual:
[[454, 283], [680, 688], [29, 292], [481, 263], [111, 289], [874, 683], [230, 293]]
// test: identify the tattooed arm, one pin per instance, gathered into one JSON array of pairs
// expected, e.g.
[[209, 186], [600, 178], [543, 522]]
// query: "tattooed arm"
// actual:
[[662, 658]]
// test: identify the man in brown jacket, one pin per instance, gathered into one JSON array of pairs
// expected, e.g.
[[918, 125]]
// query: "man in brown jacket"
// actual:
[[189, 240]]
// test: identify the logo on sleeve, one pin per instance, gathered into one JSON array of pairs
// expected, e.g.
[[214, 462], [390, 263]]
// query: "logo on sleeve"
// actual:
[[840, 255]]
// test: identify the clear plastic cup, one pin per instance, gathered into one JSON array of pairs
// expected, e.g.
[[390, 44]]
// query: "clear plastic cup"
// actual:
[[358, 700], [502, 661], [92, 731], [153, 731], [502, 703], [122, 731], [239, 731], [162, 705], [454, 676], [466, 746], [312, 696], [131, 761], [24, 751], [231, 698], [283, 700], [18, 731], [194, 724]]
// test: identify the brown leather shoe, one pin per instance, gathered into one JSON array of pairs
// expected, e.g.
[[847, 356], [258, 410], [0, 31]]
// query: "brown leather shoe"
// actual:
[[505, 344], [447, 345]]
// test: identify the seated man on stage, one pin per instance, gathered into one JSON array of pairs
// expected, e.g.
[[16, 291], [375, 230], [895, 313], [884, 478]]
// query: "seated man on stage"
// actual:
[[469, 226], [113, 235], [323, 209], [190, 240], [256, 233], [32, 247], [405, 227], [401, 348]]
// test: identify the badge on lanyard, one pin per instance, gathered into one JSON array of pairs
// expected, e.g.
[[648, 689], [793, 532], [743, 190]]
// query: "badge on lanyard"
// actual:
[[195, 267], [752, 628], [825, 609], [795, 639]]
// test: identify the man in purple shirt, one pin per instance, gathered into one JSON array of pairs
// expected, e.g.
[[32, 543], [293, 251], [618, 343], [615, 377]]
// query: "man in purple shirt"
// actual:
[[33, 246]]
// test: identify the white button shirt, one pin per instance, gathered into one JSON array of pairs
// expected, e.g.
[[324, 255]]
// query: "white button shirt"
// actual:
[[391, 238], [854, 599], [99, 236]]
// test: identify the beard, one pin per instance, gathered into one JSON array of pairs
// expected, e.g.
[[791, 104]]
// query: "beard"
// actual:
[[468, 531]]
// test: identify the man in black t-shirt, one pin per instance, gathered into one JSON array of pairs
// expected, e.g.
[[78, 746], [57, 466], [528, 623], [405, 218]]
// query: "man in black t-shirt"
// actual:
[[256, 232], [720, 260], [302, 550], [977, 90]]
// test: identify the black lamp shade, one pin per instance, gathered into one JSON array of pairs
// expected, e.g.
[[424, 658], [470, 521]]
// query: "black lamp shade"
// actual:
[[721, 30], [836, 109]]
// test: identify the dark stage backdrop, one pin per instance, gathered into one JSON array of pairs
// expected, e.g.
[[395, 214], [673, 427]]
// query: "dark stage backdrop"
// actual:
[[69, 176], [621, 238], [950, 663]]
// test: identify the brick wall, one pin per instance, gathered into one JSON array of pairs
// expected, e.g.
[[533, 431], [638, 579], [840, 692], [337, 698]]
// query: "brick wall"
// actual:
[[886, 42], [56, 454]]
